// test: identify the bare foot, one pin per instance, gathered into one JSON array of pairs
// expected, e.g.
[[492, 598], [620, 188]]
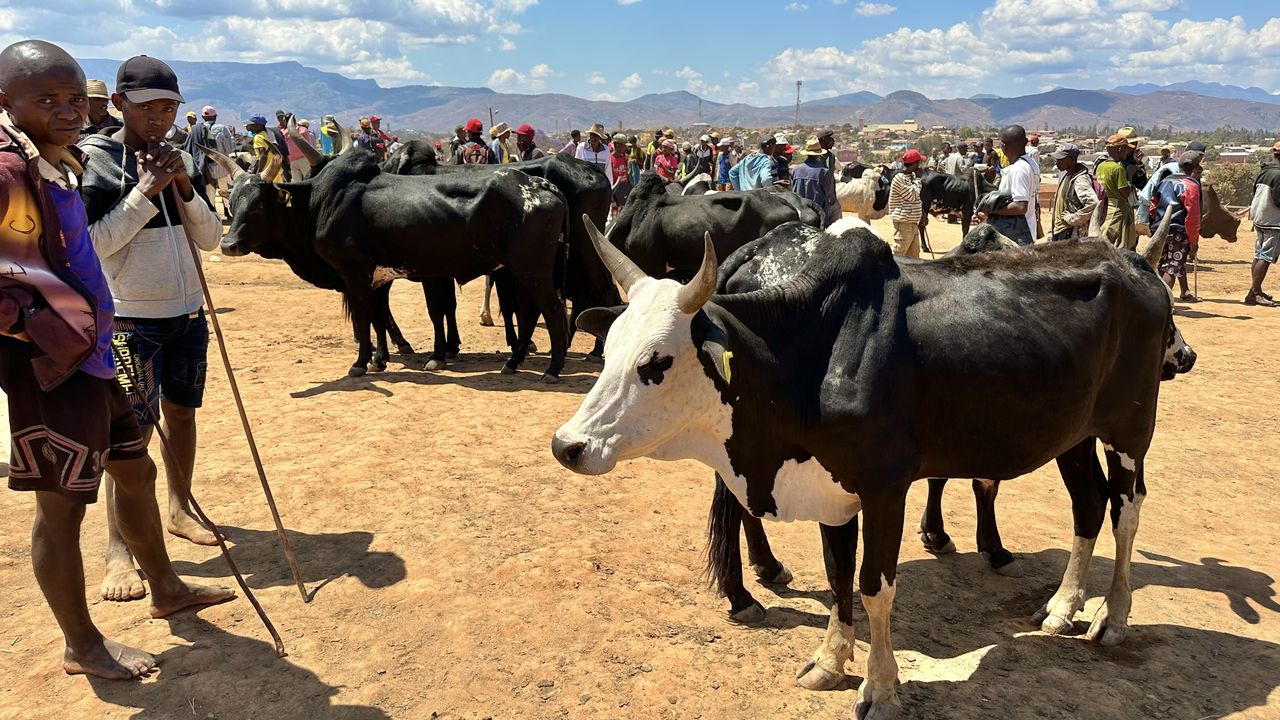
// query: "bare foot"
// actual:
[[190, 596], [110, 660], [122, 582], [185, 525]]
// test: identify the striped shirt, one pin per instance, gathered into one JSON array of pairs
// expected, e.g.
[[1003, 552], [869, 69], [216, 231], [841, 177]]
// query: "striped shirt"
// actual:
[[904, 198]]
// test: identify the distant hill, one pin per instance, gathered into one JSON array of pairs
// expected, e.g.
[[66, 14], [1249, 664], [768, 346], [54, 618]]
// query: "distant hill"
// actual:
[[241, 89], [1208, 89]]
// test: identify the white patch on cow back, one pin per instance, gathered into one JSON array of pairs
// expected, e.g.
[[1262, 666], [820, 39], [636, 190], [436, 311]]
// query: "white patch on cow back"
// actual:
[[530, 198], [806, 491], [384, 275], [844, 225]]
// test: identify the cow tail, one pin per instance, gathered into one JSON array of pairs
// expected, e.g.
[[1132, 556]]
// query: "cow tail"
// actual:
[[346, 312], [723, 527], [560, 278]]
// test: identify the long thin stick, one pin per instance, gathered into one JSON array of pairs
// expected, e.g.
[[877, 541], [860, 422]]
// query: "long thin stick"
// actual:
[[244, 418], [213, 528]]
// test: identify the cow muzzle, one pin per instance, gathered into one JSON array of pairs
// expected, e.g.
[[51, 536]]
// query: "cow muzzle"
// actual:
[[579, 455], [232, 247]]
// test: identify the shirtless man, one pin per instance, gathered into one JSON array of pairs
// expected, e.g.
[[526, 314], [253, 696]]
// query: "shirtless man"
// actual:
[[68, 416]]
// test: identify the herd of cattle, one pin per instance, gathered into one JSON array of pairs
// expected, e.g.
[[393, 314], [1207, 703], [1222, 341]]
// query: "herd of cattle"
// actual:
[[816, 374]]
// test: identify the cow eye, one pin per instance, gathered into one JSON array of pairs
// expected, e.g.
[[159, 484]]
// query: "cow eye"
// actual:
[[652, 370]]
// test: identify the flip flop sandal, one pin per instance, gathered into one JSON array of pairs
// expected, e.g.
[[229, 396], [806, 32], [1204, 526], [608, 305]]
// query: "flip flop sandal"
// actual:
[[1259, 300], [1189, 298]]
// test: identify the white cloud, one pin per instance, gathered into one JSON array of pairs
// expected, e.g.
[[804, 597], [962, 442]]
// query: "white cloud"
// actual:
[[628, 2], [595, 78], [512, 80], [1147, 5], [873, 9], [794, 5], [506, 44], [631, 83]]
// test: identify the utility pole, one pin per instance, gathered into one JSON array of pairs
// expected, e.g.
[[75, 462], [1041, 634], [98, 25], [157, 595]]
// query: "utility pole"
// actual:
[[492, 112], [699, 109], [798, 84]]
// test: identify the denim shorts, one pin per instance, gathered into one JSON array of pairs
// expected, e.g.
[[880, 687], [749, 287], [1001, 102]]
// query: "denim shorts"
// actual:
[[162, 358], [1267, 248], [1014, 227]]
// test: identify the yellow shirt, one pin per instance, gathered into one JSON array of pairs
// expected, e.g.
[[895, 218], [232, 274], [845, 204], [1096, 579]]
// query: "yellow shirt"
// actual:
[[262, 147]]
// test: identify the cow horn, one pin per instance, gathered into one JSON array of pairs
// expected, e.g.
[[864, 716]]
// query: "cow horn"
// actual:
[[232, 168], [623, 270], [1004, 240], [272, 167], [341, 143], [703, 285], [1155, 248], [1095, 220], [307, 149]]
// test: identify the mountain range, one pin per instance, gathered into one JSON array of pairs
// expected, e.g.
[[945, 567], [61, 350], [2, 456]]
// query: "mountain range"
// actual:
[[239, 90]]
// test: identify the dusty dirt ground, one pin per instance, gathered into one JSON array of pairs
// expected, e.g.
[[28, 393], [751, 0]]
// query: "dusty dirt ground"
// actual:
[[459, 572]]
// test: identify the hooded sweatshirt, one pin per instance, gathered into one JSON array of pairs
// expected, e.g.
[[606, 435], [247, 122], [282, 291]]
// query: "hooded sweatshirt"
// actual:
[[140, 241]]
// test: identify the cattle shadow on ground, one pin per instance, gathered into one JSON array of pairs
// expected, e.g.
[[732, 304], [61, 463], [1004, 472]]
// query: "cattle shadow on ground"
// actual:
[[221, 675], [223, 310], [322, 558], [1200, 315], [577, 378]]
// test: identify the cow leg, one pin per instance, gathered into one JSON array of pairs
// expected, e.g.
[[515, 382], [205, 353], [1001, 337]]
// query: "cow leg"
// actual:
[[724, 556], [508, 304], [989, 544], [597, 350], [1082, 474], [839, 550], [449, 306], [966, 217], [883, 517], [933, 534], [439, 295], [397, 338], [767, 567], [381, 310], [548, 303], [1128, 489], [526, 320], [486, 318], [359, 303]]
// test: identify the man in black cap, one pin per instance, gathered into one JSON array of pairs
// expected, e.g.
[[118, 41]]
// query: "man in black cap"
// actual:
[[143, 198], [1264, 212], [827, 140]]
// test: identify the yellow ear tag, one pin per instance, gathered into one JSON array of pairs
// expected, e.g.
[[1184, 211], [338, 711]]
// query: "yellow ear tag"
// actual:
[[728, 355]]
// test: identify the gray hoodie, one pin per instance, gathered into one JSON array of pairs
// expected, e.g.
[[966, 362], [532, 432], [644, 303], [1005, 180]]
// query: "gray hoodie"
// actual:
[[140, 241]]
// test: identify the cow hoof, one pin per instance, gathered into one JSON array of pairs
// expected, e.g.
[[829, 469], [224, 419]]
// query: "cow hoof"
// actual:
[[1106, 631], [356, 371], [531, 349], [405, 349], [876, 711], [593, 358], [934, 544], [452, 354], [781, 577], [435, 364], [379, 365], [549, 379], [508, 370], [1052, 624], [753, 614], [486, 320], [1011, 569], [812, 677]]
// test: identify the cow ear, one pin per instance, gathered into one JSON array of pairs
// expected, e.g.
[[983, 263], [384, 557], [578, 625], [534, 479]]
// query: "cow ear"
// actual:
[[597, 321], [285, 197]]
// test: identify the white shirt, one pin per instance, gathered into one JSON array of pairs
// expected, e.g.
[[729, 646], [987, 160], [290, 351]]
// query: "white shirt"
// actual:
[[1021, 181], [600, 158]]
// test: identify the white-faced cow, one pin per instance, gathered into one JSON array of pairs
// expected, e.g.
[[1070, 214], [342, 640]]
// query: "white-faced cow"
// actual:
[[371, 227], [827, 395], [864, 191]]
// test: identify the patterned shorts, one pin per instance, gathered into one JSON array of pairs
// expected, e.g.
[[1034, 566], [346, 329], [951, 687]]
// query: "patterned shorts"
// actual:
[[1176, 249], [62, 439]]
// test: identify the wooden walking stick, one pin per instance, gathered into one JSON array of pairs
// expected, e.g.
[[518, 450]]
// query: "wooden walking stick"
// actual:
[[244, 418]]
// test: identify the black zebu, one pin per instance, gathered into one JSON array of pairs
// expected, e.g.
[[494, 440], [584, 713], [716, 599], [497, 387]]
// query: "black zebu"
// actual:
[[370, 227], [828, 395], [662, 233]]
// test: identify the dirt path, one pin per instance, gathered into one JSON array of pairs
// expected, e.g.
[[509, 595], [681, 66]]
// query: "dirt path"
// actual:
[[459, 572]]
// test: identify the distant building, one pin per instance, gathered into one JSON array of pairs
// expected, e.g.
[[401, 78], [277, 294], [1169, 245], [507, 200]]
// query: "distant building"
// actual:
[[1237, 157]]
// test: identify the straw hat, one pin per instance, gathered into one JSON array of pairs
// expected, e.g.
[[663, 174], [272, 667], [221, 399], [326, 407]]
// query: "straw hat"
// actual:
[[97, 89], [813, 147], [499, 129], [598, 131]]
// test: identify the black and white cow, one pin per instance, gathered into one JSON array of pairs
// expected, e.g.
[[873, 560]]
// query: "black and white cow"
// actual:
[[943, 192], [828, 395]]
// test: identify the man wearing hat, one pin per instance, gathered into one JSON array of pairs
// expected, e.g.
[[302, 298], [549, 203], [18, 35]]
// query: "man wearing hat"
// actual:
[[143, 198], [207, 133], [703, 157], [265, 147], [782, 151], [596, 150], [1075, 201], [1119, 226], [758, 169], [474, 151], [455, 142], [724, 164], [827, 139], [498, 147], [1179, 195], [905, 205], [812, 179], [524, 143], [100, 121], [666, 162], [1264, 212]]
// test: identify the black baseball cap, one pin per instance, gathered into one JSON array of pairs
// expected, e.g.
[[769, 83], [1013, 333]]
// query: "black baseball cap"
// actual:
[[145, 79]]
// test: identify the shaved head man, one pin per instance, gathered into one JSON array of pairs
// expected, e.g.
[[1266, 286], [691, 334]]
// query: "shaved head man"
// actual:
[[68, 416], [1018, 220]]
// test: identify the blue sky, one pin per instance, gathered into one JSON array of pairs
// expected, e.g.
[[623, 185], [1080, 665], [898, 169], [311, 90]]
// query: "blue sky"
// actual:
[[624, 48]]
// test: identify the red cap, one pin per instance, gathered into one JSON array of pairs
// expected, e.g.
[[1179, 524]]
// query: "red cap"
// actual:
[[1033, 138], [438, 146], [911, 156], [525, 129], [790, 149], [474, 126], [374, 117]]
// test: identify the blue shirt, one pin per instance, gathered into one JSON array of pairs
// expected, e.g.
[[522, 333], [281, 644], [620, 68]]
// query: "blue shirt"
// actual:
[[725, 163], [753, 171], [84, 263]]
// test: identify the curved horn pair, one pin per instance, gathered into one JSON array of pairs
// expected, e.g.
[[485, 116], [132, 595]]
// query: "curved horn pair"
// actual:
[[274, 161], [691, 296], [1155, 248], [308, 150]]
